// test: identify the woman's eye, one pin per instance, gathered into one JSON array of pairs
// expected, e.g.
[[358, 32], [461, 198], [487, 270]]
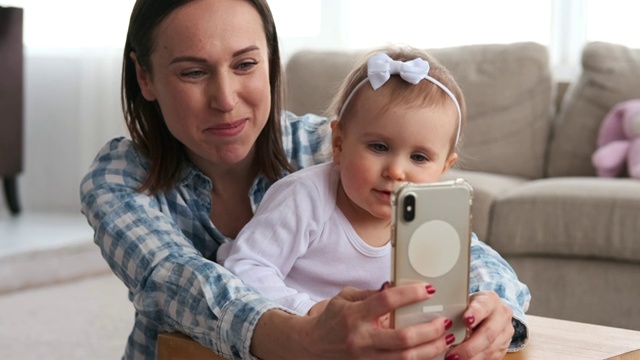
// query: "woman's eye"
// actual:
[[377, 147], [193, 74], [419, 158], [247, 65]]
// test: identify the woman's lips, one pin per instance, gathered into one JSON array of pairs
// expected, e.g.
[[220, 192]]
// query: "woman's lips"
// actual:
[[228, 130]]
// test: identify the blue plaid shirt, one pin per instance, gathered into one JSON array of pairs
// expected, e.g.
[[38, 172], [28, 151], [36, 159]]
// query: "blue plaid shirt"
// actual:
[[160, 247]]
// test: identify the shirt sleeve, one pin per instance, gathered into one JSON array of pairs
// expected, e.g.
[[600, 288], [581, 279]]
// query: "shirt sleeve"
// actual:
[[306, 139], [170, 283], [489, 271], [266, 249]]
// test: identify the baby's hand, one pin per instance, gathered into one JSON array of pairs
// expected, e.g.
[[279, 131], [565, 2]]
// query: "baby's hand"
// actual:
[[318, 308]]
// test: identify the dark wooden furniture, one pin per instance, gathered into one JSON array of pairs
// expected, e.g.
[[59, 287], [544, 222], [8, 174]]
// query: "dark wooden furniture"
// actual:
[[11, 102]]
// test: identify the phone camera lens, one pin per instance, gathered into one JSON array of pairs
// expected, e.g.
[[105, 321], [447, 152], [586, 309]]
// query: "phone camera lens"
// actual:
[[409, 208]]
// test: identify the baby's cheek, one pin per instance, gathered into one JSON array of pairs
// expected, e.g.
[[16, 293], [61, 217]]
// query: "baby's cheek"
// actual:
[[355, 176]]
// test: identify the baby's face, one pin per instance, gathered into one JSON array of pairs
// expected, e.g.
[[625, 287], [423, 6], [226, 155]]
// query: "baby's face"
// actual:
[[378, 149]]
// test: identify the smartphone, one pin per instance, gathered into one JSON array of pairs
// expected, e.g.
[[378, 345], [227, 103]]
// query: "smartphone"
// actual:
[[431, 239]]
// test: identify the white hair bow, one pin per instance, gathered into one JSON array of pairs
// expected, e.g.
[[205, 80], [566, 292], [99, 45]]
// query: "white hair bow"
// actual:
[[380, 68]]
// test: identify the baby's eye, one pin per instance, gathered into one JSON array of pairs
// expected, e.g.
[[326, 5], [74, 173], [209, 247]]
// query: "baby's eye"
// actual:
[[420, 158], [378, 147]]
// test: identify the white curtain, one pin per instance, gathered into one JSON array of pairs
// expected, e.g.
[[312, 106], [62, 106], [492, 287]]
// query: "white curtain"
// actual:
[[72, 107], [73, 52]]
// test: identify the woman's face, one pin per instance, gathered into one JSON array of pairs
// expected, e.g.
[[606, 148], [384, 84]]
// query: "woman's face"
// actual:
[[210, 76]]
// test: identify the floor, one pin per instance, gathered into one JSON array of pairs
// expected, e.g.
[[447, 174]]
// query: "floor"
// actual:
[[35, 231], [58, 299], [39, 248]]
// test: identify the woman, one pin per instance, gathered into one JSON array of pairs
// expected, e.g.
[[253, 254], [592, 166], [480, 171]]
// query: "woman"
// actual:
[[201, 97]]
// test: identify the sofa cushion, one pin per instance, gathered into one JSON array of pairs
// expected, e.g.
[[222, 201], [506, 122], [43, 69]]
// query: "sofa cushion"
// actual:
[[576, 217], [313, 77], [610, 74], [507, 89]]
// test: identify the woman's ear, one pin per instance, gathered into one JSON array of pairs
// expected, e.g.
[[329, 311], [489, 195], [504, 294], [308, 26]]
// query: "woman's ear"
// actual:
[[336, 140], [144, 79]]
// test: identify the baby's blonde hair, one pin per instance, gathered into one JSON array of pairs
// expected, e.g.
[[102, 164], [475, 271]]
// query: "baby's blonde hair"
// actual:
[[396, 90]]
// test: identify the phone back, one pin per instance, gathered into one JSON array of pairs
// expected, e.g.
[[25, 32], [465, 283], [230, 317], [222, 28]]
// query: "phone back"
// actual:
[[431, 237]]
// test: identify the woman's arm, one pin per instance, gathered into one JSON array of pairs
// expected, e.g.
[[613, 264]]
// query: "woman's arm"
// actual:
[[490, 272], [172, 286], [349, 329]]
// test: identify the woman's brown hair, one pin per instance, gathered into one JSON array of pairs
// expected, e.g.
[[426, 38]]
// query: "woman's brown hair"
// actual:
[[145, 121]]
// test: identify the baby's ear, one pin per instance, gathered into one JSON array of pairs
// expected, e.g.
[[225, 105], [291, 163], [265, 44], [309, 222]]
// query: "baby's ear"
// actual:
[[453, 157], [336, 140]]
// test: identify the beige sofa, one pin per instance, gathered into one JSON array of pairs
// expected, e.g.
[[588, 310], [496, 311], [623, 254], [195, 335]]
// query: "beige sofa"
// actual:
[[572, 237]]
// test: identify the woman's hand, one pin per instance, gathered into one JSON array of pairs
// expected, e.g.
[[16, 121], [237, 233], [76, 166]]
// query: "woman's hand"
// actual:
[[384, 321], [318, 308], [352, 326], [489, 320]]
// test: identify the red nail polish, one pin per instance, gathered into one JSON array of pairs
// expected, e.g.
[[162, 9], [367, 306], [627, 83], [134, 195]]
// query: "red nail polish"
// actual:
[[385, 285], [450, 338], [447, 324], [470, 320], [452, 357], [430, 289]]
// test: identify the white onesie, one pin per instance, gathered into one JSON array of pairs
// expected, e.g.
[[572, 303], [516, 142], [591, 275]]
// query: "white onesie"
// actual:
[[299, 248]]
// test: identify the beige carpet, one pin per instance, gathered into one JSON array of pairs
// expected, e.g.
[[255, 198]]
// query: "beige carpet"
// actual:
[[87, 319]]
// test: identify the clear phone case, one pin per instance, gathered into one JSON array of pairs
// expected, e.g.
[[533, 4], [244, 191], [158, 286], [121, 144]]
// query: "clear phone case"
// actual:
[[431, 238]]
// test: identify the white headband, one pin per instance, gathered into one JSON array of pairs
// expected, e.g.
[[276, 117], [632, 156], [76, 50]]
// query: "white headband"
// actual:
[[380, 68]]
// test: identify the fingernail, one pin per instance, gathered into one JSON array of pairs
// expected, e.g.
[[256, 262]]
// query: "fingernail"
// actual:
[[452, 357], [430, 289], [450, 338], [470, 320], [385, 285], [447, 324]]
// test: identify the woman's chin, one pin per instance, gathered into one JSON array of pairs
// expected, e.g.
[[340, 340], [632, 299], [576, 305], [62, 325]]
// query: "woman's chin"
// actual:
[[221, 156]]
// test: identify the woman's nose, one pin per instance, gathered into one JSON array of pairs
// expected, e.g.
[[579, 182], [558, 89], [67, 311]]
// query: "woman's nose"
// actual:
[[223, 93]]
